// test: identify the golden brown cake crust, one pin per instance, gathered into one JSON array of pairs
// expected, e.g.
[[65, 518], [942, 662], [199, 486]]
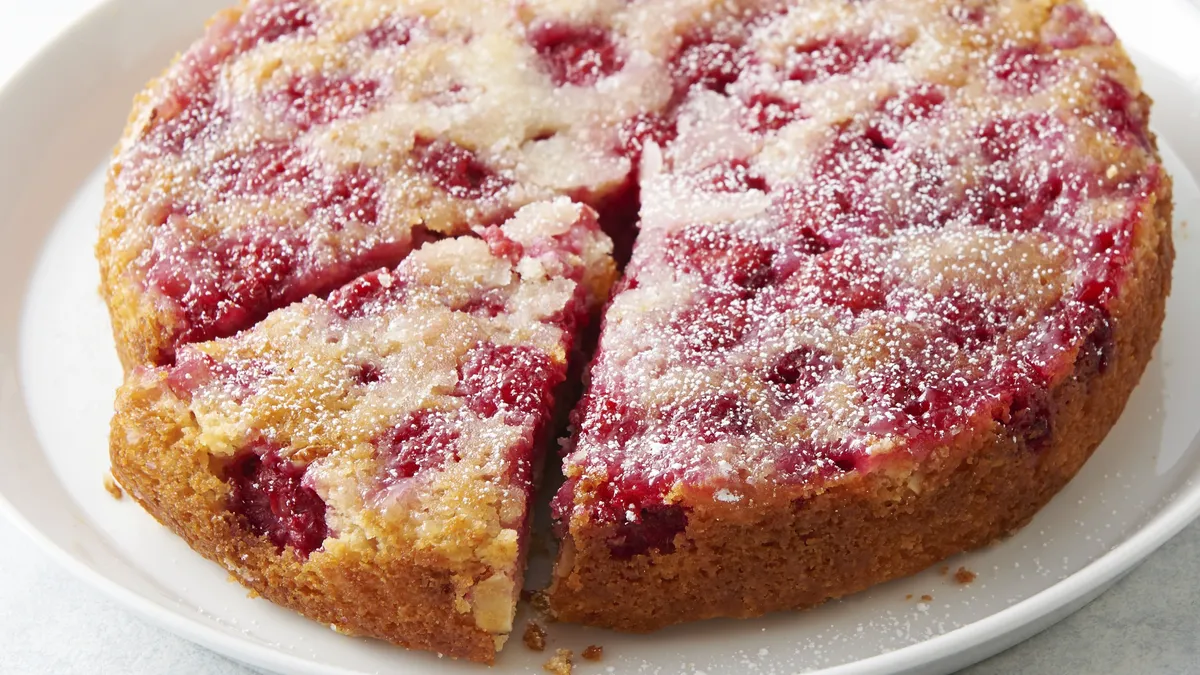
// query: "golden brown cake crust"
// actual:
[[388, 594], [138, 325], [786, 553]]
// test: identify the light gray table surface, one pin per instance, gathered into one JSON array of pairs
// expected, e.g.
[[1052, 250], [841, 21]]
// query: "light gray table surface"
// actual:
[[52, 623]]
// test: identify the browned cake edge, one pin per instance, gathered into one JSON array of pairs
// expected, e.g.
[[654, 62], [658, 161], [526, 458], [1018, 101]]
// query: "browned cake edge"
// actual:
[[383, 592], [786, 551], [141, 328]]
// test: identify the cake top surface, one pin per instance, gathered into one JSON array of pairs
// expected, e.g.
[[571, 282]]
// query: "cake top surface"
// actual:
[[878, 227], [301, 143]]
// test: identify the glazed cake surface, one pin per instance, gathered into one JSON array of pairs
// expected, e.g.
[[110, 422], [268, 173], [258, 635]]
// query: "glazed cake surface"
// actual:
[[369, 459], [898, 265], [844, 301]]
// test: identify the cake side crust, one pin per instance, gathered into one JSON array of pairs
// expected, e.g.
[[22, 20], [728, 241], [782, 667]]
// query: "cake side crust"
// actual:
[[793, 551], [385, 593]]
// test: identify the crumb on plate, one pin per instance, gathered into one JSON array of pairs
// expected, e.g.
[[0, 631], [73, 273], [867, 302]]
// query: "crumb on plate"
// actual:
[[535, 636], [964, 576], [112, 488], [560, 664]]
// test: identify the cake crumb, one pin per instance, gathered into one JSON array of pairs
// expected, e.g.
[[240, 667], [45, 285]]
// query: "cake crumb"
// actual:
[[560, 664], [926, 598], [908, 597], [535, 636], [944, 570], [593, 653], [112, 488], [539, 601], [964, 576]]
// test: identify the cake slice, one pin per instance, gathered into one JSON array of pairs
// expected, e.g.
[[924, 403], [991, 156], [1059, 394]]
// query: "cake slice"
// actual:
[[301, 143], [369, 459], [896, 277]]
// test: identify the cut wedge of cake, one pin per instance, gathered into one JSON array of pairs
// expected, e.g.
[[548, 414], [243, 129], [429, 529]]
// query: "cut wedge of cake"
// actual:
[[368, 460]]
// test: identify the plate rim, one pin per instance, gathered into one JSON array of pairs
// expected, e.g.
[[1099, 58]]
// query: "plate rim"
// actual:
[[1173, 515]]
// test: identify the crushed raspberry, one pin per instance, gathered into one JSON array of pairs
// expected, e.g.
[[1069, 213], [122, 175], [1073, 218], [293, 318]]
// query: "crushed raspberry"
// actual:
[[392, 32], [804, 240], [368, 294], [1069, 324], [266, 169], [852, 157], [720, 257], [709, 64], [804, 460], [1025, 69], [767, 112], [837, 56], [618, 217], [655, 530], [194, 370], [902, 110], [1098, 281], [266, 22], [1005, 138], [188, 112], [644, 524], [735, 176], [716, 320], [800, 370], [712, 418], [1030, 419], [577, 55], [423, 441], [268, 492], [489, 304], [608, 419], [506, 379], [847, 278], [838, 202], [190, 109], [501, 246], [367, 373], [457, 170], [637, 131], [350, 197], [1121, 112], [1018, 203], [969, 320], [908, 398], [314, 101], [224, 285], [1071, 26]]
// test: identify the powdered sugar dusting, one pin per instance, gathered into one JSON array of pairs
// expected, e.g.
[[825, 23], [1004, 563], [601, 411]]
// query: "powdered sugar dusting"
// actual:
[[302, 143]]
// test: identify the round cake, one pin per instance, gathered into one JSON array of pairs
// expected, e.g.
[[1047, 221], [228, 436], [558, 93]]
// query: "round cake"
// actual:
[[891, 270]]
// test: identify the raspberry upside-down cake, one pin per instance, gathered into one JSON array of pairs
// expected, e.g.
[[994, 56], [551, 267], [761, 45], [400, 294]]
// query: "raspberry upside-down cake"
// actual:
[[368, 459], [898, 265]]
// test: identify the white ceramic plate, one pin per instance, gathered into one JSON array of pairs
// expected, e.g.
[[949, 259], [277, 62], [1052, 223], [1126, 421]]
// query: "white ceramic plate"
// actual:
[[58, 371]]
